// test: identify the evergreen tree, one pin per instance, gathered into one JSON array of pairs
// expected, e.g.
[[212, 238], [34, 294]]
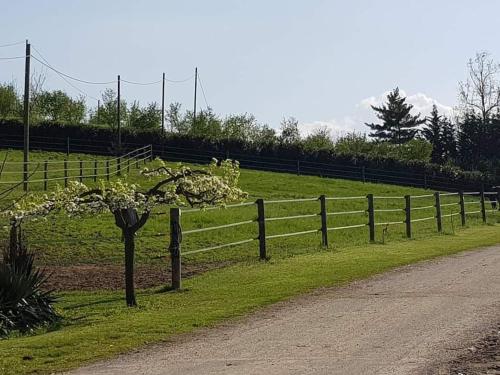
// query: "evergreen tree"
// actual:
[[433, 132], [398, 125], [448, 140]]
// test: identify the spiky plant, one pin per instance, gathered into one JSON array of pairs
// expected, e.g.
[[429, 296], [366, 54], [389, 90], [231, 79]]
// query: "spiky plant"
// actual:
[[24, 305]]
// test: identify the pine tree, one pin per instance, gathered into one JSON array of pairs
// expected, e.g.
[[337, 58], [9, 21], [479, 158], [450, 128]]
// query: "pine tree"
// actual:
[[398, 125], [448, 140], [433, 132]]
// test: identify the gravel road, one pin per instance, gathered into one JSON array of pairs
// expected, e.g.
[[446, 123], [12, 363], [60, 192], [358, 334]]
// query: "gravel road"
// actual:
[[408, 321]]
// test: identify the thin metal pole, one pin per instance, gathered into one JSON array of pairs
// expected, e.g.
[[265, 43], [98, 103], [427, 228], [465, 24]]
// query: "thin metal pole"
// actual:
[[118, 119], [26, 119], [195, 90], [163, 105]]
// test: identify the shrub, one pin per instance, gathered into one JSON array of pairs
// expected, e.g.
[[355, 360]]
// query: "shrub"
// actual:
[[24, 305]]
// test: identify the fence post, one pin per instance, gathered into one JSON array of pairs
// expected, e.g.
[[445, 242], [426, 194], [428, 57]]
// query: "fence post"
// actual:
[[261, 219], [324, 223], [175, 246], [95, 170], [408, 215], [439, 221], [81, 170], [119, 166], [45, 174], [371, 217], [107, 169], [462, 207], [363, 173], [425, 180], [65, 172], [128, 165], [298, 167], [67, 147], [151, 153], [483, 207]]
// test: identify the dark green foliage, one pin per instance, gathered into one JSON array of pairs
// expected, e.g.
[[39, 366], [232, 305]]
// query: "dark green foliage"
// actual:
[[24, 305], [10, 104], [60, 107], [398, 125]]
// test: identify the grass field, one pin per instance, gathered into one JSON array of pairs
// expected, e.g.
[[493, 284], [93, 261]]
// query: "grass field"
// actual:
[[97, 325], [63, 241]]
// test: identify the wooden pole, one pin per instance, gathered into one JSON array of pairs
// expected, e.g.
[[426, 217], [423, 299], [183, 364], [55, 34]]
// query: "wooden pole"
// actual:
[[98, 111], [118, 114], [261, 219], [67, 147], [26, 117], [463, 216], [163, 105], [439, 220], [45, 174], [371, 217], [175, 247], [324, 222], [81, 170], [107, 169], [483, 206], [408, 215]]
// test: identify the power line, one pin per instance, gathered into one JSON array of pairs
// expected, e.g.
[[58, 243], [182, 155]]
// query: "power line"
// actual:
[[12, 57], [12, 44], [65, 80], [141, 83], [68, 76], [203, 91], [180, 81]]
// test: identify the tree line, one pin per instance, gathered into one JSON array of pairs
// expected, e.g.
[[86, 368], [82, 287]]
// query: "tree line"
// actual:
[[469, 139]]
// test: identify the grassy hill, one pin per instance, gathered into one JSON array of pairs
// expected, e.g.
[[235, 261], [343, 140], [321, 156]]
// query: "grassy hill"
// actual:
[[95, 240]]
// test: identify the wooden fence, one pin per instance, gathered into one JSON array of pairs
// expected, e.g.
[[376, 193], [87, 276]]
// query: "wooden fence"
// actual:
[[406, 210]]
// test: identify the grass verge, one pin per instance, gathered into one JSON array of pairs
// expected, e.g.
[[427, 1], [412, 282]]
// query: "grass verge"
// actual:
[[98, 326]]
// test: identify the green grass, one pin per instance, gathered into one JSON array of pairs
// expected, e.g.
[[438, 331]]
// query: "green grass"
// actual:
[[61, 240], [98, 326]]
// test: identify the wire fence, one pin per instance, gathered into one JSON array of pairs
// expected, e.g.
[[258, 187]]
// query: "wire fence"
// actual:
[[257, 162]]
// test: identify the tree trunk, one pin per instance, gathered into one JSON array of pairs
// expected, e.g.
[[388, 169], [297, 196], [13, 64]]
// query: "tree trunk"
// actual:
[[129, 267]]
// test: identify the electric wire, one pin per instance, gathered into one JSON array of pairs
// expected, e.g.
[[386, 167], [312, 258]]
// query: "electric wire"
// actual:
[[12, 44], [203, 92]]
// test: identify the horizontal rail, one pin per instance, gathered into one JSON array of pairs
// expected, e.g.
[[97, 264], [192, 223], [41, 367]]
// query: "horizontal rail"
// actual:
[[491, 193], [218, 227], [473, 212], [449, 204], [292, 234], [348, 227], [390, 223], [388, 197], [423, 207], [422, 196], [472, 193], [219, 207], [291, 217], [218, 247], [452, 214], [423, 219], [292, 200], [447, 194], [472, 202], [346, 212], [344, 198], [389, 209]]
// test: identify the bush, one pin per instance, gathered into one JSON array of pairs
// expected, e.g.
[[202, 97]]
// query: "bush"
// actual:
[[24, 305]]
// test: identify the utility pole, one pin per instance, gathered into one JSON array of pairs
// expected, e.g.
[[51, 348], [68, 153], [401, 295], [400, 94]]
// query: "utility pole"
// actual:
[[163, 105], [195, 88], [26, 118], [118, 119]]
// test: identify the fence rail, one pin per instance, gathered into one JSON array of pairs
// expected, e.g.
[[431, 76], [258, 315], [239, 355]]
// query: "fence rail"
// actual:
[[177, 234]]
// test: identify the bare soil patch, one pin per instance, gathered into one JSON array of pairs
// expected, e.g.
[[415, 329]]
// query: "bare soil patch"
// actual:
[[85, 277]]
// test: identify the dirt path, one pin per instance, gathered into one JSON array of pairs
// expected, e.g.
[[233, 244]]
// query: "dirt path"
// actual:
[[408, 321]]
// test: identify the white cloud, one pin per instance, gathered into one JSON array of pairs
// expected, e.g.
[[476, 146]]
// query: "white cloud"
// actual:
[[362, 113]]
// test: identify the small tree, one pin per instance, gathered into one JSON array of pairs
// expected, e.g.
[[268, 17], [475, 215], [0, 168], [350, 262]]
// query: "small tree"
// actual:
[[289, 131], [131, 207], [319, 139], [433, 132], [398, 125]]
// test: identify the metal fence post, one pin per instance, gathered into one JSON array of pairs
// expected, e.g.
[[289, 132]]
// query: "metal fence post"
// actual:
[[483, 207], [371, 217], [107, 169], [45, 174], [324, 223], [67, 146], [298, 167], [65, 172], [119, 166], [95, 170], [175, 246], [408, 215], [462, 208], [128, 165], [439, 221], [81, 170], [261, 219]]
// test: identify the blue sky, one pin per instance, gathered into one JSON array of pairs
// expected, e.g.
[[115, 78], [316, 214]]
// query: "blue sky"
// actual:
[[323, 62]]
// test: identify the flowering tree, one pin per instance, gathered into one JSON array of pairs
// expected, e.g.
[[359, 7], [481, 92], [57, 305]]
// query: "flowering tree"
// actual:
[[131, 207]]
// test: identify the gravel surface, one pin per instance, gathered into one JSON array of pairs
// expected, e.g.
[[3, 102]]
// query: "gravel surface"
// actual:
[[419, 319]]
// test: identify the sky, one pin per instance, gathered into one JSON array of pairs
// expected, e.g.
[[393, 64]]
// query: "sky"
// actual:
[[323, 62]]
